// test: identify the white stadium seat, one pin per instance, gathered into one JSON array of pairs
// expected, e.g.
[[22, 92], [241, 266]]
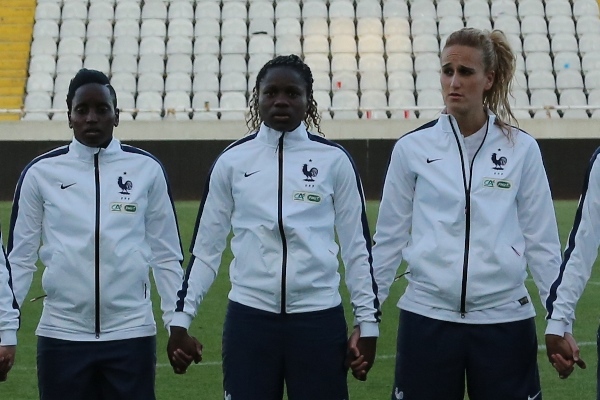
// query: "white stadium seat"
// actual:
[[373, 81], [567, 60], [541, 80], [397, 26], [149, 105], [317, 62], [399, 62], [569, 79], [40, 82], [585, 8], [476, 9], [179, 63], [449, 8], [371, 62], [538, 62], [207, 10], [46, 28], [260, 10], [180, 10], [344, 80], [533, 24], [368, 9], [154, 10], [262, 26], [68, 63], [531, 7], [422, 9], [177, 105], [98, 45], [124, 63], [373, 105], [207, 27], [288, 44], [233, 10], [394, 9], [287, 9], [99, 62], [561, 24], [75, 10], [314, 10], [123, 82], [180, 27], [234, 101], [343, 62], [400, 80], [151, 63], [345, 104], [178, 82], [126, 27], [206, 63], [205, 82], [151, 82], [233, 82], [341, 9]]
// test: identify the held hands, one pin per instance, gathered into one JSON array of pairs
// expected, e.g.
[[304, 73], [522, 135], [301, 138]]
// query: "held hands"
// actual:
[[361, 354], [563, 354], [182, 349], [7, 359]]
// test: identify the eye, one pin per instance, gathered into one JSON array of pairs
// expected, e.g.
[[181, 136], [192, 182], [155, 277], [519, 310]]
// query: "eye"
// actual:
[[448, 71]]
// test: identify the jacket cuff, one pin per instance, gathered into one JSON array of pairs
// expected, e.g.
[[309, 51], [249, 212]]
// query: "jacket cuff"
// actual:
[[181, 319], [369, 329], [8, 337], [557, 327]]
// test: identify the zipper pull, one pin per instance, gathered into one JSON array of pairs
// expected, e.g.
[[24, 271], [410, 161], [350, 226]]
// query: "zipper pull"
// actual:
[[37, 298]]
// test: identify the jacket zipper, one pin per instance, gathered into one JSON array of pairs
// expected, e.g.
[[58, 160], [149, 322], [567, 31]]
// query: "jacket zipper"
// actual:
[[467, 187], [97, 246], [280, 222]]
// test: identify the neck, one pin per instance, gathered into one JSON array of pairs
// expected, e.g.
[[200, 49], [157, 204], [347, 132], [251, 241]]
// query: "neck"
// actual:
[[469, 124]]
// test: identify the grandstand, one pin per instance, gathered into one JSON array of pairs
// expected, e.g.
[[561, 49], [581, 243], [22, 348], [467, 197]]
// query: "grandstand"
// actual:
[[371, 59]]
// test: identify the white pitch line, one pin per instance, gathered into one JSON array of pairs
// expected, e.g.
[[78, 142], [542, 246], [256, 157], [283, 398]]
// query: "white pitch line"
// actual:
[[218, 363]]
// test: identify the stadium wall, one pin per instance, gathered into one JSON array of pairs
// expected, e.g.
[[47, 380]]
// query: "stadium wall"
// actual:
[[188, 148]]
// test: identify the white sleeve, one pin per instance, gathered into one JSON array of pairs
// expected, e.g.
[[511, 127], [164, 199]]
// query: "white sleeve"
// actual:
[[355, 240], [580, 254], [9, 311], [162, 235], [213, 225], [392, 232], [25, 233]]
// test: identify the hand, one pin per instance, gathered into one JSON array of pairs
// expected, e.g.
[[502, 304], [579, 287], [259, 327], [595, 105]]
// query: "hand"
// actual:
[[361, 354], [7, 359], [563, 354], [182, 349]]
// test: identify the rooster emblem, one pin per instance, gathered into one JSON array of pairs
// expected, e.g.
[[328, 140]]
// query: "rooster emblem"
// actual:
[[125, 186], [309, 173], [498, 162]]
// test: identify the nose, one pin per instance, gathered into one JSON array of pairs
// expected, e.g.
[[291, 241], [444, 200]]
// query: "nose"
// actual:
[[454, 82], [91, 116], [281, 101]]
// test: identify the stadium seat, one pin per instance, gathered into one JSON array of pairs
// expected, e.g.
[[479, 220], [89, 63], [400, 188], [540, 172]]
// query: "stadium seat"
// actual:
[[206, 63], [233, 10], [592, 80], [43, 63], [476, 9], [425, 44], [234, 101], [541, 80], [151, 82], [256, 62], [233, 82], [207, 11], [368, 44], [47, 11], [314, 10], [370, 62], [569, 79], [373, 105], [126, 10], [398, 101], [234, 27], [447, 25], [288, 44], [533, 24], [207, 27], [234, 45], [536, 42], [531, 8], [567, 60], [98, 45], [344, 81], [287, 9], [544, 98], [126, 27], [149, 106], [75, 10], [479, 23], [70, 46], [315, 26], [427, 80], [69, 63], [502, 8], [369, 26], [400, 80], [373, 81], [538, 62], [341, 26], [40, 82], [61, 84], [345, 104], [179, 45], [590, 62], [368, 9], [177, 105], [561, 24], [585, 8], [515, 42], [430, 102], [517, 99], [343, 62], [427, 62], [573, 97], [594, 98], [399, 62], [321, 81], [262, 26], [180, 27], [395, 9], [449, 8], [261, 10], [206, 45], [558, 7], [315, 44], [154, 10], [519, 81], [179, 10], [587, 24], [124, 63], [423, 9], [397, 26], [317, 61], [423, 26], [179, 63], [46, 28], [233, 63], [288, 26], [589, 43], [323, 99], [262, 44], [563, 42], [125, 45], [152, 45], [123, 82], [341, 9], [205, 101], [151, 63], [205, 82], [98, 62], [508, 24]]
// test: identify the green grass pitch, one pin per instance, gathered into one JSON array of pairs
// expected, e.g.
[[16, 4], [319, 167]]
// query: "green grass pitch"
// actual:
[[203, 381]]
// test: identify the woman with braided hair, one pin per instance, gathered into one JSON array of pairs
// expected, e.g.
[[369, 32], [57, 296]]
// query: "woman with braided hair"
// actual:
[[285, 193]]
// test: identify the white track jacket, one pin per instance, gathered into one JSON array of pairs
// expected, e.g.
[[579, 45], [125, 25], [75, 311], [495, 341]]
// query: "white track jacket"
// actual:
[[104, 217], [580, 254], [467, 229], [9, 310], [283, 194]]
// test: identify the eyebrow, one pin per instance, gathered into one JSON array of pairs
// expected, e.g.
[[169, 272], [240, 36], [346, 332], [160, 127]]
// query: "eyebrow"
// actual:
[[460, 66]]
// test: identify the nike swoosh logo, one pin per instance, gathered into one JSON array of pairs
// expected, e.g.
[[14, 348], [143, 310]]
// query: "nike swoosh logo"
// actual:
[[429, 161], [63, 186], [247, 174], [534, 397]]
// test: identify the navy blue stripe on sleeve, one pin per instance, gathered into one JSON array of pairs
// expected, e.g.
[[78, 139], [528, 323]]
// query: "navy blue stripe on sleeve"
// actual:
[[15, 206], [364, 221], [552, 295], [181, 294]]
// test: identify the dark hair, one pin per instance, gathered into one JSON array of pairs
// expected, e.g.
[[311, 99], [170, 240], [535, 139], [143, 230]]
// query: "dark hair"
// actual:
[[294, 62], [497, 56], [85, 76]]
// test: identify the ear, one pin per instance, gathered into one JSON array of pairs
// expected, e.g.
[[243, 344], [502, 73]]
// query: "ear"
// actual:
[[116, 117], [490, 78], [69, 118]]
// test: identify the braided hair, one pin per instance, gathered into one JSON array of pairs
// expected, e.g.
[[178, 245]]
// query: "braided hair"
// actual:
[[293, 62], [85, 76]]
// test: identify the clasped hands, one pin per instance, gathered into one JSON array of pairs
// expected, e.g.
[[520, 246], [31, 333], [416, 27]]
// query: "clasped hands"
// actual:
[[183, 349], [563, 354]]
